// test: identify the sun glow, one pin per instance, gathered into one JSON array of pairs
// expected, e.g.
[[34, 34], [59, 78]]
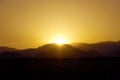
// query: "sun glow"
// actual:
[[60, 41]]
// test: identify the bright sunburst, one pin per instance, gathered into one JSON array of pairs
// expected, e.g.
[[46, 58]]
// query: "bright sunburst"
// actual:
[[60, 40]]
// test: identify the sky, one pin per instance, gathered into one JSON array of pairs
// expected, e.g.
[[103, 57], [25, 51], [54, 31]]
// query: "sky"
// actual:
[[32, 23]]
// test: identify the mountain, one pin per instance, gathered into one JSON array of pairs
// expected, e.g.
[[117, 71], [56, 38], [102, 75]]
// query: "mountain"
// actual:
[[78, 50], [64, 51], [56, 51], [9, 54], [108, 48], [51, 51], [28, 53], [3, 49]]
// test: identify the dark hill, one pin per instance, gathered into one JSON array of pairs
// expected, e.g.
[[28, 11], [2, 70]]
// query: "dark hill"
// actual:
[[63, 51], [108, 48], [9, 54], [3, 49], [78, 50]]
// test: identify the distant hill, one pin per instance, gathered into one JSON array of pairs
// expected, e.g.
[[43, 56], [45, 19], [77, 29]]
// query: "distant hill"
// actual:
[[78, 50], [108, 48], [50, 51], [55, 51], [64, 51], [3, 49], [29, 53]]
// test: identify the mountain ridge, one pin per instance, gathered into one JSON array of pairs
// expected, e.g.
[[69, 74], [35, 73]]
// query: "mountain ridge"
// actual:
[[102, 49]]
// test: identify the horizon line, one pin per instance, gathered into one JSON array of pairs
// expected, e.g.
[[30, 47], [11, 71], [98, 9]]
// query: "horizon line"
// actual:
[[55, 43]]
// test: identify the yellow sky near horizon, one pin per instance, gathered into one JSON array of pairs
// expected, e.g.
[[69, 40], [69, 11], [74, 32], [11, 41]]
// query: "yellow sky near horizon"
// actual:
[[32, 23]]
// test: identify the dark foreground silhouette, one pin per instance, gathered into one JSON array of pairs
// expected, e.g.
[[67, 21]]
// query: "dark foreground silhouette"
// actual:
[[59, 69], [62, 62]]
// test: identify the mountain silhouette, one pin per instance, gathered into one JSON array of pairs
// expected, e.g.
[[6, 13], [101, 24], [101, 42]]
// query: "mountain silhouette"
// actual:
[[56, 51], [64, 51], [78, 50], [3, 49], [108, 48], [50, 51], [9, 54], [29, 53]]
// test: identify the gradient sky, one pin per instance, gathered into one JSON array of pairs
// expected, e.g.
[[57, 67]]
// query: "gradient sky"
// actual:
[[32, 23]]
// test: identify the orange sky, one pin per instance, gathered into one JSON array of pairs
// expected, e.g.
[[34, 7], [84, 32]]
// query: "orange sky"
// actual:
[[32, 23]]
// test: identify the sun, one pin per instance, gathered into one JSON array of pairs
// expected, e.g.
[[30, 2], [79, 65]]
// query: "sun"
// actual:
[[60, 41]]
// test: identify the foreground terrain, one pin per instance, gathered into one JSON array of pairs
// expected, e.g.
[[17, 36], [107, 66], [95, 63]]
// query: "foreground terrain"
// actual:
[[84, 68]]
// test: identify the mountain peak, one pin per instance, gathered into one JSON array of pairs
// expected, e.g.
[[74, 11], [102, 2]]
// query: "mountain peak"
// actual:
[[54, 46]]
